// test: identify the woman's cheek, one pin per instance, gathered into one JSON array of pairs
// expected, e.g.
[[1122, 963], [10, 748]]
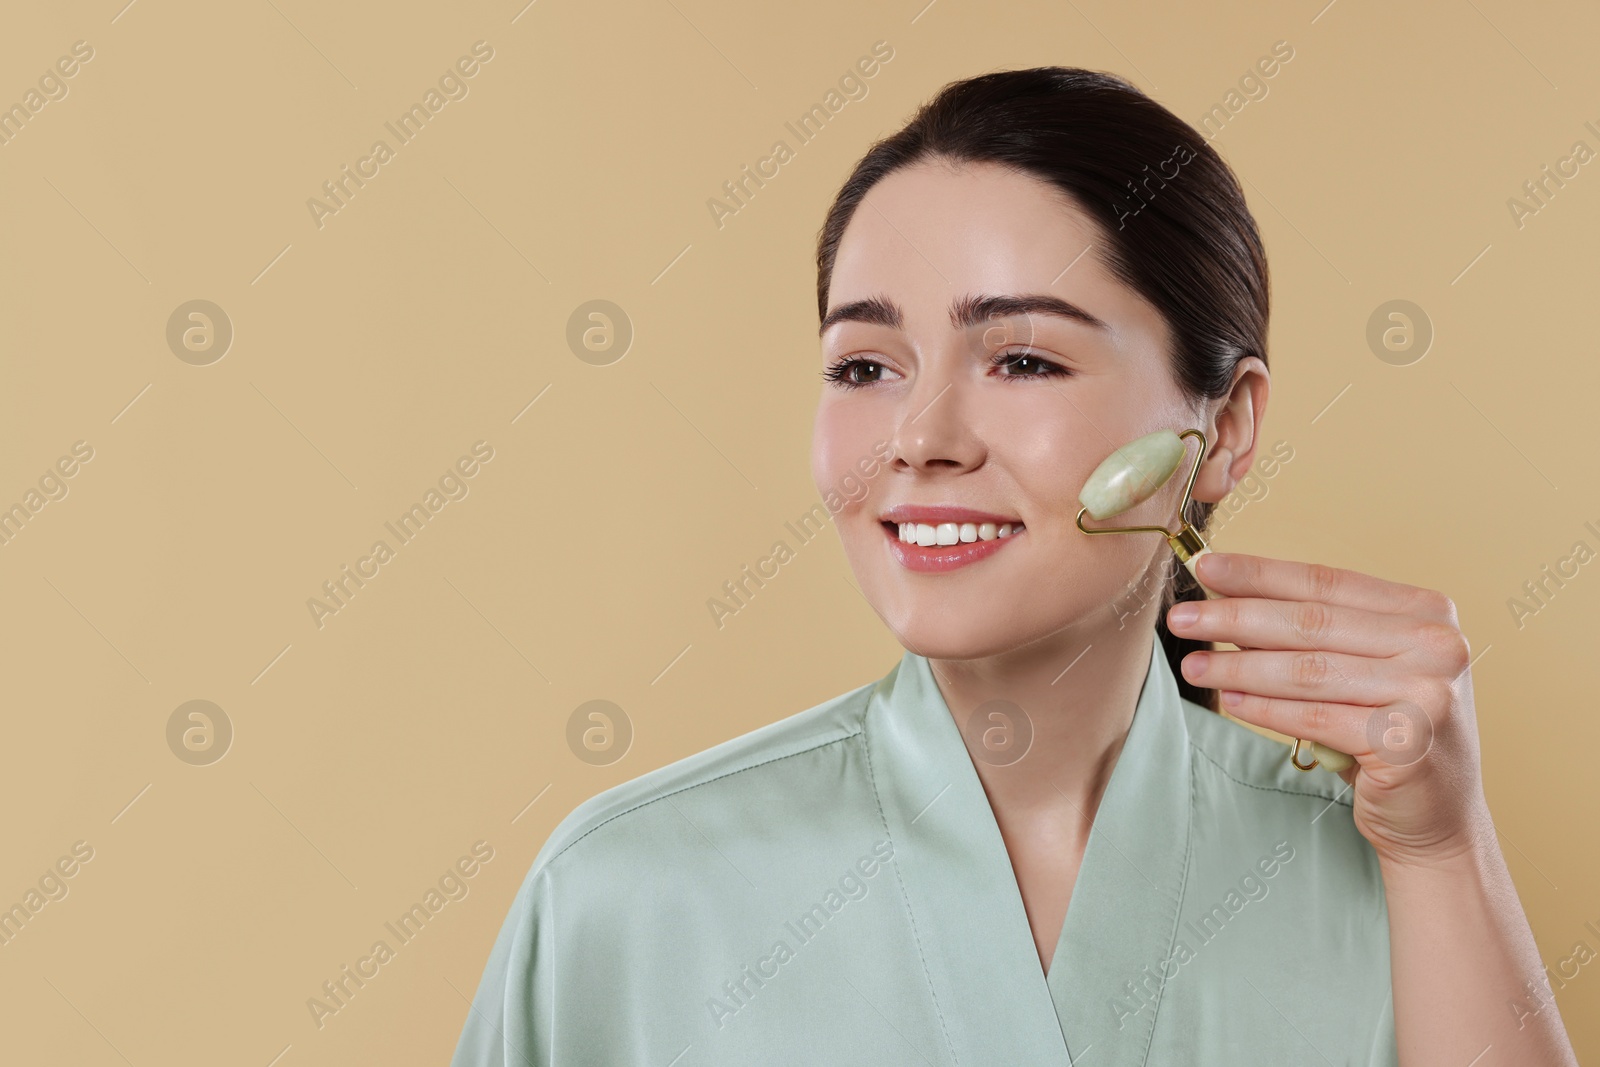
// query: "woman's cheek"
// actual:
[[828, 445]]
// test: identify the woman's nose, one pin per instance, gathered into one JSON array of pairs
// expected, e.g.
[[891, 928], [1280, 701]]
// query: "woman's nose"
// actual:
[[934, 432]]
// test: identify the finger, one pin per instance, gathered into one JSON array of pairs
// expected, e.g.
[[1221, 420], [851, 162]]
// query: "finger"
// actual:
[[1254, 622], [1332, 723], [1241, 574], [1396, 734], [1300, 675]]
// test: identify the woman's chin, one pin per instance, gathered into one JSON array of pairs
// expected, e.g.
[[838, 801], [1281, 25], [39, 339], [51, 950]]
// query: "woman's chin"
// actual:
[[952, 632], [947, 638]]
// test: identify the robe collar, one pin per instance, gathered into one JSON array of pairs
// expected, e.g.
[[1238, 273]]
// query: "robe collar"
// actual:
[[966, 911]]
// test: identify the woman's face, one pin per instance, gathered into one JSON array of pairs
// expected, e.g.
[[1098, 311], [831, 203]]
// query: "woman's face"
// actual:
[[938, 251]]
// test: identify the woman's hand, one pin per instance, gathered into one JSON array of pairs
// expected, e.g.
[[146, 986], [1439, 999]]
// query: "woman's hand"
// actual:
[[1366, 666], [1379, 670]]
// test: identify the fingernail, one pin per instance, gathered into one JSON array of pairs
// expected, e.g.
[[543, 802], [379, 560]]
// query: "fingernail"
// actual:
[[1232, 697], [1214, 565], [1183, 614], [1194, 664]]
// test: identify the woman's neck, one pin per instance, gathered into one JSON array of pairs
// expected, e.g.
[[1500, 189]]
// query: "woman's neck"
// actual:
[[1078, 693]]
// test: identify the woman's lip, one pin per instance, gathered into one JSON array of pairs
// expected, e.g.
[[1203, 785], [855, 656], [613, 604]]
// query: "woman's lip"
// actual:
[[939, 558], [934, 514]]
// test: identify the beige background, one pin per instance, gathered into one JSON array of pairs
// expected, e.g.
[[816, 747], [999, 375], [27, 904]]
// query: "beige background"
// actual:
[[432, 310]]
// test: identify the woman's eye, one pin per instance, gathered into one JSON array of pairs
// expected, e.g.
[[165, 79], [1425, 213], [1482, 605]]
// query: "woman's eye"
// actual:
[[853, 372], [1025, 365]]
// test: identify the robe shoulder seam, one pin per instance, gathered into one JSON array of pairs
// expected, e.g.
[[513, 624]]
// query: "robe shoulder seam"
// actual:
[[1312, 794], [694, 785]]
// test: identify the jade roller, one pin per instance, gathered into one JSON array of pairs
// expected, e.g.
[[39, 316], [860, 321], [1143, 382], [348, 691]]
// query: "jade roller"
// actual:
[[1130, 476]]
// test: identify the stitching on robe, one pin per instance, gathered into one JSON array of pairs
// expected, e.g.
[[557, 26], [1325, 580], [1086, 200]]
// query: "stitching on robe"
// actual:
[[696, 785], [1177, 908], [866, 747], [1272, 788]]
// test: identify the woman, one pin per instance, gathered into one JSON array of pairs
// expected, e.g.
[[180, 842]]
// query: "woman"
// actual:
[[1041, 266]]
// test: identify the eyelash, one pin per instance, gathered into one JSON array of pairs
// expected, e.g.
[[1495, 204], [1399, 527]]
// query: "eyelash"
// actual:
[[837, 373]]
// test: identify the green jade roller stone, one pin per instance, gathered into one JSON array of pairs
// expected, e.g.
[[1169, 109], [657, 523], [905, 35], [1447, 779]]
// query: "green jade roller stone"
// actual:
[[1132, 474]]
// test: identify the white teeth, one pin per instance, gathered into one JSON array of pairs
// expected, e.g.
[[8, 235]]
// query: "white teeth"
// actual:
[[950, 533]]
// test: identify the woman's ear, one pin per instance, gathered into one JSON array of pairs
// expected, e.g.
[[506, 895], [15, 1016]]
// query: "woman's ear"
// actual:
[[1235, 428]]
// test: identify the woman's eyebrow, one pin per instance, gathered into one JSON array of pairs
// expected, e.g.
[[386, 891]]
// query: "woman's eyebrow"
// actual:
[[874, 310], [964, 311]]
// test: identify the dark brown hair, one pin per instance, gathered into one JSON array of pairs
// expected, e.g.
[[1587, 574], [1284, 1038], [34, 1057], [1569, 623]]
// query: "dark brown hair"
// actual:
[[1177, 228]]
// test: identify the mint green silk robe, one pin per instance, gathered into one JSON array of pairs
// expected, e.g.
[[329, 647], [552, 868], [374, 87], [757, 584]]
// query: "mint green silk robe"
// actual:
[[833, 889]]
